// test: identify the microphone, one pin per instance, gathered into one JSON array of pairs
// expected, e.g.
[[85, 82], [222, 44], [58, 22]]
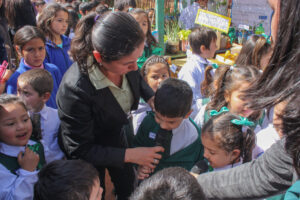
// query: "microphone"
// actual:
[[161, 137], [200, 167]]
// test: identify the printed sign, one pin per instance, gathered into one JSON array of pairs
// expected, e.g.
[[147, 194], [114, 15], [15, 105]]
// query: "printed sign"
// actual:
[[213, 20]]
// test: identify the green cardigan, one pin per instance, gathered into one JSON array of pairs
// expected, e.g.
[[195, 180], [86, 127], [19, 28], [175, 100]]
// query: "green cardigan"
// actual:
[[147, 53], [185, 158]]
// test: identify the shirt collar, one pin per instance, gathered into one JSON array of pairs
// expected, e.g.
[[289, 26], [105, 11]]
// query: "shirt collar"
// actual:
[[43, 113], [199, 59], [229, 166], [13, 150], [182, 128]]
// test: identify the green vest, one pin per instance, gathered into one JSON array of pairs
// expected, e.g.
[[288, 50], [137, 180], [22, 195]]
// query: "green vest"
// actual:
[[11, 163], [185, 158]]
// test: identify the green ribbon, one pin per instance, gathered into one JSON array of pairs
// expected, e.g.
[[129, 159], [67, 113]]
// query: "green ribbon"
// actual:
[[267, 38], [222, 110], [243, 121], [215, 66]]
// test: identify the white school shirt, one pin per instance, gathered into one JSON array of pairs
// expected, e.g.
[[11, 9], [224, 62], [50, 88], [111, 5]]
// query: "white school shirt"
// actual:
[[20, 186], [50, 123], [267, 137], [229, 166], [183, 136], [139, 115], [193, 73]]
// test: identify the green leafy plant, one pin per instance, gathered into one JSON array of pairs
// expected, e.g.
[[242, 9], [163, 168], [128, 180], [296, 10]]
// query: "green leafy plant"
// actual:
[[184, 34], [172, 30]]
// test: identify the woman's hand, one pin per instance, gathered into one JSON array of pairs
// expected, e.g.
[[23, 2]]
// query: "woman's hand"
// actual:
[[29, 160], [146, 156]]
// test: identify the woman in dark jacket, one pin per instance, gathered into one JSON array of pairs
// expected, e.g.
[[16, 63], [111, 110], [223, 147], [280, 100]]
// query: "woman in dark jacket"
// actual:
[[97, 94]]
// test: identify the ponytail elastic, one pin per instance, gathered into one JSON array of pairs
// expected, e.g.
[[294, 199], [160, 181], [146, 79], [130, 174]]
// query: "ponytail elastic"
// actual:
[[243, 121], [216, 113], [96, 17]]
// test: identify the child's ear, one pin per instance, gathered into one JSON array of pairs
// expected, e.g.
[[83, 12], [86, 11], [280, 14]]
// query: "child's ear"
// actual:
[[202, 48], [235, 154], [97, 56], [46, 96], [19, 51], [188, 114], [227, 96]]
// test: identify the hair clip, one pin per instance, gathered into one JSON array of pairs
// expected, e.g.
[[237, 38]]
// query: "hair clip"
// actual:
[[96, 18], [215, 66], [222, 110], [243, 121]]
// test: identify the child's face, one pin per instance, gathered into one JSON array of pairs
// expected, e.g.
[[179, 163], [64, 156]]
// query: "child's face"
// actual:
[[60, 23], [15, 125], [209, 53], [235, 104], [277, 121], [156, 74], [96, 192], [216, 156], [168, 123], [33, 101], [34, 52], [143, 22]]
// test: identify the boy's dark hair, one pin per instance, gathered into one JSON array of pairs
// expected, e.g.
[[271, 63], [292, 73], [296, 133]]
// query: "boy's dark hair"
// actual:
[[201, 36], [173, 183], [65, 180], [85, 7], [173, 98], [39, 79], [26, 34], [101, 10], [230, 136]]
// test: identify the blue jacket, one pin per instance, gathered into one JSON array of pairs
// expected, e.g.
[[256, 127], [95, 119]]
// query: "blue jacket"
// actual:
[[11, 84], [59, 56]]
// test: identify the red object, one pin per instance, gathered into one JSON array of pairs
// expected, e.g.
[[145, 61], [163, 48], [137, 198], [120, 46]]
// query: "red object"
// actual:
[[3, 68]]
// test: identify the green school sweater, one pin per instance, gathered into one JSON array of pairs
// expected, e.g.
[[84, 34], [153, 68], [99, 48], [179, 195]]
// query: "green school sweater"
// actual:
[[185, 158], [147, 53]]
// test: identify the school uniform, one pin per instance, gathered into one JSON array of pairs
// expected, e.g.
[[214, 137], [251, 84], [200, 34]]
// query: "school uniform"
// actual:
[[17, 183], [228, 166], [148, 51], [11, 84], [139, 115], [193, 72], [59, 55], [185, 143], [50, 124]]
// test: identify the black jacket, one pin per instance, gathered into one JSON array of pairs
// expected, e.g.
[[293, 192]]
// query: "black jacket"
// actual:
[[92, 120]]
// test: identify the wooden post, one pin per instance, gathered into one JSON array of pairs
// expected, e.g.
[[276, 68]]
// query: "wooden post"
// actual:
[[160, 16]]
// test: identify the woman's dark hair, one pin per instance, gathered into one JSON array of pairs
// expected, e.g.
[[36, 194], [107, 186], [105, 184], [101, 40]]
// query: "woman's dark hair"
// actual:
[[150, 40], [230, 136], [121, 4], [152, 60], [19, 13], [291, 127], [114, 36], [2, 10], [253, 50], [65, 180], [228, 80], [26, 34], [10, 99], [47, 16], [282, 74]]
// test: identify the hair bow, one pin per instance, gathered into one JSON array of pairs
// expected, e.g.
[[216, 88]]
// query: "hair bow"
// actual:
[[243, 121], [215, 66], [222, 110], [35, 148]]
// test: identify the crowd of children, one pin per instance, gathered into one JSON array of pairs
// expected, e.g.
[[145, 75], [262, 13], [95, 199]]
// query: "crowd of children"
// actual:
[[94, 94]]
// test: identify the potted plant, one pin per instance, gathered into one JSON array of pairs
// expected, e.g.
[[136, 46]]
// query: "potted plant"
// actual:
[[172, 29], [183, 36]]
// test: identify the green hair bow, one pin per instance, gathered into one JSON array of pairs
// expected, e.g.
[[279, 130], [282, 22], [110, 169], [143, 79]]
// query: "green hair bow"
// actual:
[[222, 110], [215, 66], [243, 121]]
